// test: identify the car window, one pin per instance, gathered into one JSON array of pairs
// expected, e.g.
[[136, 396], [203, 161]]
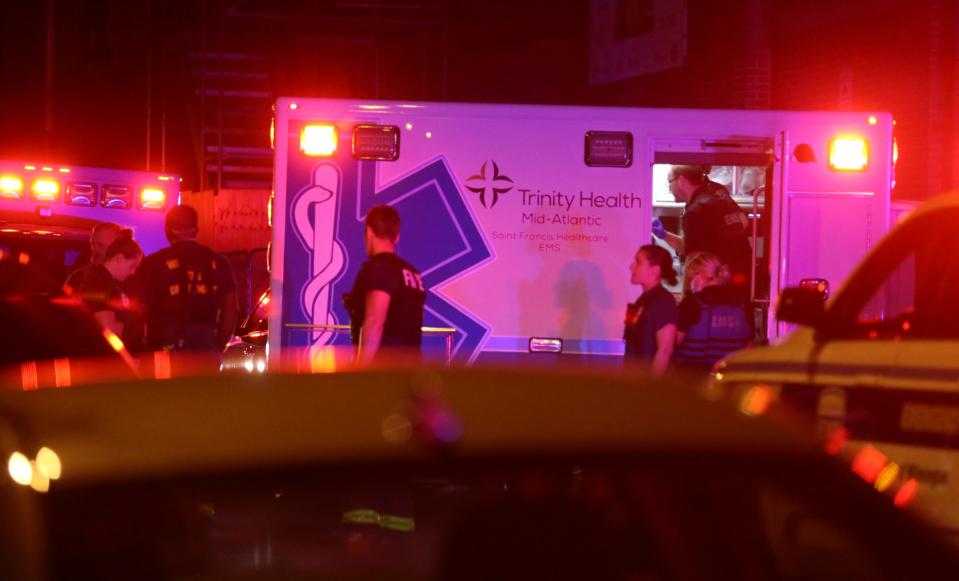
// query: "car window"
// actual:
[[909, 290], [649, 518], [259, 317]]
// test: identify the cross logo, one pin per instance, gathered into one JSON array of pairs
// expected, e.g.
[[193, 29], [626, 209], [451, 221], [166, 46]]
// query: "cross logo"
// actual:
[[496, 185]]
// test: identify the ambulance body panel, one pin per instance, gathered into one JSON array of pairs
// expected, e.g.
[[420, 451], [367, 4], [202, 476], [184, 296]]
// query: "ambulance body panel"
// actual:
[[523, 219]]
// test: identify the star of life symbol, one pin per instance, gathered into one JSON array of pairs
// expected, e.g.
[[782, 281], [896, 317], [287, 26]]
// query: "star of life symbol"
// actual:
[[496, 184], [314, 218]]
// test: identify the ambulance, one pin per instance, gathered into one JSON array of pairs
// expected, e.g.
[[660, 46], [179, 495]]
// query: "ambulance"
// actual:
[[523, 219], [47, 210], [875, 369]]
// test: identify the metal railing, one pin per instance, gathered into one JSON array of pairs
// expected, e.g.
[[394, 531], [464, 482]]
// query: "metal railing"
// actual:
[[447, 331]]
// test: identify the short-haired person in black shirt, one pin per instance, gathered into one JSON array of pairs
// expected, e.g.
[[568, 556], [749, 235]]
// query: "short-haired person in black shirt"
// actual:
[[711, 221], [101, 237], [650, 330], [387, 298], [186, 292], [101, 288]]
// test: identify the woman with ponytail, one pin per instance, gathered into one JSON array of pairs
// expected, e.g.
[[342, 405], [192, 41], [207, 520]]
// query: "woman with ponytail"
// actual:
[[650, 331]]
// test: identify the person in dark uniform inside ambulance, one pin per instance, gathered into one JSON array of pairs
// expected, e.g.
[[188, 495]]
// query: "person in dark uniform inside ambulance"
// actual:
[[387, 298], [711, 222], [186, 293]]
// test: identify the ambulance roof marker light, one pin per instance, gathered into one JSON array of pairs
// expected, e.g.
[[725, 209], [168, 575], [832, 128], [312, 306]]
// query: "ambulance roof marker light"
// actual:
[[30, 167], [46, 168], [872, 120], [318, 140], [848, 153], [294, 106]]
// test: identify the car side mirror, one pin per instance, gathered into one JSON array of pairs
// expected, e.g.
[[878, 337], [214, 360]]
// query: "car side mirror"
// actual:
[[801, 305]]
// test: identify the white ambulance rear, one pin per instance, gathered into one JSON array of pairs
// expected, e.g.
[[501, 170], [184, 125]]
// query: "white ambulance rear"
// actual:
[[524, 219]]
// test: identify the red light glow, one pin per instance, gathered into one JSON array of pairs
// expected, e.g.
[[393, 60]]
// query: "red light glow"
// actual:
[[868, 463], [836, 441], [61, 372], [906, 493], [29, 378]]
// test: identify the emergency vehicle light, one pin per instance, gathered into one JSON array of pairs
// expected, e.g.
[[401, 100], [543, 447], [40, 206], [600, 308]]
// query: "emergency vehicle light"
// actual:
[[116, 196], [318, 140], [11, 188], [380, 142], [609, 149], [151, 199], [45, 190], [81, 193], [848, 154]]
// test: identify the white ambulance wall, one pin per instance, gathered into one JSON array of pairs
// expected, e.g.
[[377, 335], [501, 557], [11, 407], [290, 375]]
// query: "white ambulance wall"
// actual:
[[538, 284], [827, 235]]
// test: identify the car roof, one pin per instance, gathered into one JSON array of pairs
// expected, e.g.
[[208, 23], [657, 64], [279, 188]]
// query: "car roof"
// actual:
[[186, 426]]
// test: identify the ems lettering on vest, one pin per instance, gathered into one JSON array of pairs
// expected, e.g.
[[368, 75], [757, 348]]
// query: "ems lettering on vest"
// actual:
[[413, 280]]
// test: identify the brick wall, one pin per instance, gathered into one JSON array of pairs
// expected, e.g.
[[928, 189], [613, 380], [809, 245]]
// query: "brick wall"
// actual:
[[727, 65], [882, 55]]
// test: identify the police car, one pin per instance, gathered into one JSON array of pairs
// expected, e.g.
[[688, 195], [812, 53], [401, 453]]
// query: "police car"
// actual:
[[433, 474], [876, 368]]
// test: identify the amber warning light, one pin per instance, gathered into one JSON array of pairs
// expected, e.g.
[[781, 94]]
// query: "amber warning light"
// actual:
[[318, 140], [848, 154], [11, 188], [151, 199], [45, 190]]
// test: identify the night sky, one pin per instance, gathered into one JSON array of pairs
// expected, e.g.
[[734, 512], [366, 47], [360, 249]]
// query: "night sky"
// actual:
[[125, 70]]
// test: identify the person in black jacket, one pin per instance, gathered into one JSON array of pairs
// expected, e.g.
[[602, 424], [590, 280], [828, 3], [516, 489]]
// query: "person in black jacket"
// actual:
[[388, 295], [186, 292], [711, 222]]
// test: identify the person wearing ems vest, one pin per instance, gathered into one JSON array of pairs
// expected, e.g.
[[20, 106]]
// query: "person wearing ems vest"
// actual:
[[714, 320], [387, 298], [650, 326], [711, 222], [186, 292]]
